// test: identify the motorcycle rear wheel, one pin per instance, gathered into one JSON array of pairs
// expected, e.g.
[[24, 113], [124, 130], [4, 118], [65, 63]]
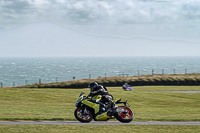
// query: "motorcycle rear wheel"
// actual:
[[83, 114], [124, 117]]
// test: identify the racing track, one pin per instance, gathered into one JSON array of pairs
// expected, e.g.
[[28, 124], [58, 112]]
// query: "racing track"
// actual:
[[102, 122]]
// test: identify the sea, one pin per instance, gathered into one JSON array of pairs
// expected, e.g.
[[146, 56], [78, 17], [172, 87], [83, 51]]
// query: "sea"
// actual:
[[20, 71]]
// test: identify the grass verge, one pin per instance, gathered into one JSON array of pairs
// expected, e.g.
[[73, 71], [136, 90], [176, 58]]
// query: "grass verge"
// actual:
[[99, 128], [148, 103]]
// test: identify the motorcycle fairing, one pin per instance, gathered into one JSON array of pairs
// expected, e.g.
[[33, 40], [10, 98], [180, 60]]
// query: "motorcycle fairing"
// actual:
[[102, 117], [91, 105]]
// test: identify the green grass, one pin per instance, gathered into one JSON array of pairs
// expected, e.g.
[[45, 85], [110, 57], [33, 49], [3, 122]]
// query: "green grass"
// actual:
[[147, 102], [99, 128]]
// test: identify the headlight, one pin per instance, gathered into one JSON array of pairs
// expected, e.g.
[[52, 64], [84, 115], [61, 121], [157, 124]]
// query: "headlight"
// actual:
[[78, 102]]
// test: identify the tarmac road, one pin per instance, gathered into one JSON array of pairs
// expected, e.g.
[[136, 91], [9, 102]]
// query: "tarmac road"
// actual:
[[103, 122]]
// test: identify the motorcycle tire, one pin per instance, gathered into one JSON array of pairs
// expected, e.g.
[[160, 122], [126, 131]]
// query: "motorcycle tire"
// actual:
[[124, 117], [81, 116]]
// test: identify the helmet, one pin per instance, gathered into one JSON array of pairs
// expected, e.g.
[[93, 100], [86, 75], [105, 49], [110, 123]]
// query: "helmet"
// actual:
[[93, 86]]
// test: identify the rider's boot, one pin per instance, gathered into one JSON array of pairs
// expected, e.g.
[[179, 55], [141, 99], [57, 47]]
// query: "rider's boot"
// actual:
[[111, 111]]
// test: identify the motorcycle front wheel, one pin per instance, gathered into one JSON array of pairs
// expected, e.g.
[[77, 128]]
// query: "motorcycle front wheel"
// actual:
[[124, 114], [83, 114]]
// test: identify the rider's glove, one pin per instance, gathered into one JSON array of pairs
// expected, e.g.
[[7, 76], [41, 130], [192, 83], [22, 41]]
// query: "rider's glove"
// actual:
[[94, 101], [89, 94]]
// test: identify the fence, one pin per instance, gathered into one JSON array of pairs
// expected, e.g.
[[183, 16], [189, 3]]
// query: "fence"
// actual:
[[139, 73]]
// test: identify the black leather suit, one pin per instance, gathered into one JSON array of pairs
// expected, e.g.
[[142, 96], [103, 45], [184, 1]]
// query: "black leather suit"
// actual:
[[101, 90]]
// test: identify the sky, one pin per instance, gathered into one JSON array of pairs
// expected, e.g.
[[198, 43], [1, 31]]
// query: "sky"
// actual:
[[34, 28]]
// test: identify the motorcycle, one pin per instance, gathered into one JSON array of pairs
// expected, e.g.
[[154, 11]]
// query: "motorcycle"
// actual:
[[88, 108]]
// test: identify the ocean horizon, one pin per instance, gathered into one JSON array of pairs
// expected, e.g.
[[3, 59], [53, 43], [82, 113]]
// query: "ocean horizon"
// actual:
[[28, 70]]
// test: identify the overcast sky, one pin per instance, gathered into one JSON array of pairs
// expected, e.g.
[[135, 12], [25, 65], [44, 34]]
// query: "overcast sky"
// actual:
[[146, 26]]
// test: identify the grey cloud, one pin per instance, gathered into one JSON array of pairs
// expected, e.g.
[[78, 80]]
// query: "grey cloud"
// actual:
[[17, 6], [113, 12], [191, 11], [128, 18]]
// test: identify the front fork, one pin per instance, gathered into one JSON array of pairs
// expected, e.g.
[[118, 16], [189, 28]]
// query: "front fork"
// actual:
[[85, 110]]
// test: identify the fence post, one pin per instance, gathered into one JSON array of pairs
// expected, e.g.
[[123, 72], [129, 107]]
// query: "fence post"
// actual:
[[152, 71], [1, 84], [39, 81], [162, 71], [174, 71], [74, 77]]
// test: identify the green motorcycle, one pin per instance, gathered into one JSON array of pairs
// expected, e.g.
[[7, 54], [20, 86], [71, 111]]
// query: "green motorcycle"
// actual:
[[88, 108]]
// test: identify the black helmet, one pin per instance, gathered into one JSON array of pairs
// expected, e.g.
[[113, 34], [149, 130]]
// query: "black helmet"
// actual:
[[93, 86]]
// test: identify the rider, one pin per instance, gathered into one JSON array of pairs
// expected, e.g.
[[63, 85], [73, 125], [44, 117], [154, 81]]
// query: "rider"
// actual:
[[127, 87], [96, 89]]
